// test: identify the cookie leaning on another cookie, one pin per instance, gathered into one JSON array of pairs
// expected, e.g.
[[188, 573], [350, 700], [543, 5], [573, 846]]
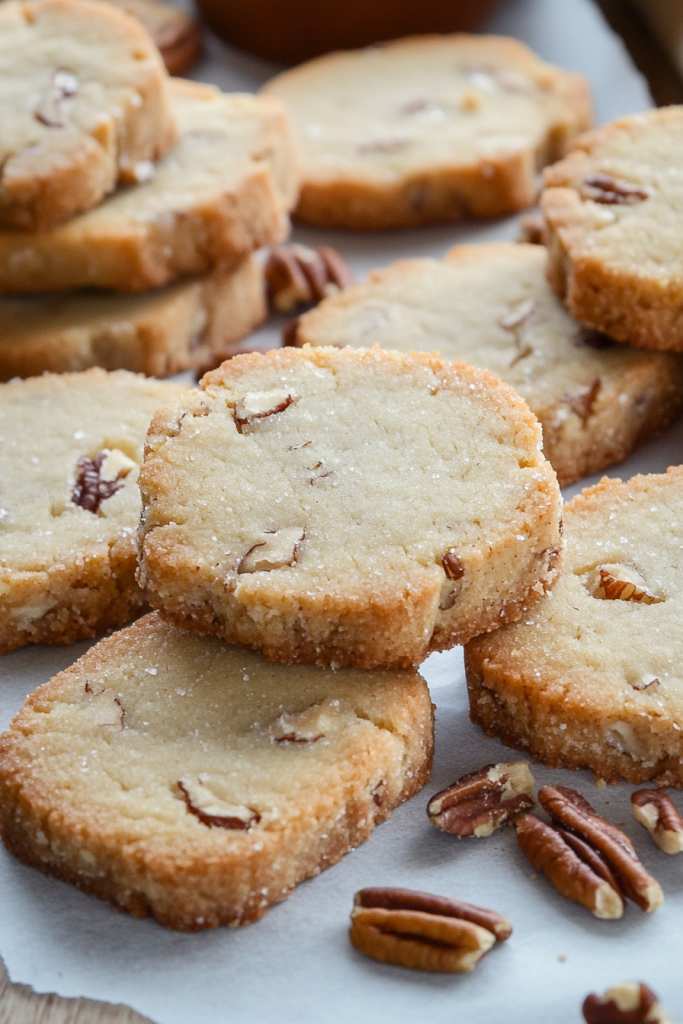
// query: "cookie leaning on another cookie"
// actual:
[[614, 213], [426, 129], [215, 781], [490, 304], [69, 503], [592, 677], [353, 507], [157, 333], [85, 103], [222, 191]]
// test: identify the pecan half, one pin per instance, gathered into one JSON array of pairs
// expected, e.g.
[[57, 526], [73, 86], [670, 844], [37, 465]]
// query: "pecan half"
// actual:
[[603, 188], [618, 582], [259, 405], [570, 809], [49, 109], [551, 852], [423, 932], [632, 1002], [480, 802], [277, 550], [296, 275], [657, 812], [213, 811], [99, 478]]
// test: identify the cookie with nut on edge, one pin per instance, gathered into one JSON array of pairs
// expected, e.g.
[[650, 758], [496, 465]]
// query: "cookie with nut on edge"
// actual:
[[70, 504], [614, 213], [591, 677], [347, 507], [216, 781]]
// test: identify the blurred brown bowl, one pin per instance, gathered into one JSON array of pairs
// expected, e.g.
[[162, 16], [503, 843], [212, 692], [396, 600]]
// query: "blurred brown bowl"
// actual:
[[294, 30]]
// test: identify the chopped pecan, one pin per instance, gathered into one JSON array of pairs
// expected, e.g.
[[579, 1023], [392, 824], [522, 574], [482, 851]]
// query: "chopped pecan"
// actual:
[[99, 478], [452, 566], [296, 275], [258, 405], [213, 811], [583, 401], [531, 229], [550, 852], [520, 312], [571, 810], [423, 932], [482, 801], [618, 582], [603, 188], [106, 709], [307, 726], [655, 809], [632, 1002], [277, 549], [49, 108]]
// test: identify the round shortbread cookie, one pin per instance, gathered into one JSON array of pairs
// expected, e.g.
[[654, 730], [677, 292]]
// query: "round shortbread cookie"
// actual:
[[175, 33], [194, 780], [354, 507], [70, 448], [614, 215], [157, 333], [492, 306], [85, 104], [426, 129], [222, 191], [592, 677]]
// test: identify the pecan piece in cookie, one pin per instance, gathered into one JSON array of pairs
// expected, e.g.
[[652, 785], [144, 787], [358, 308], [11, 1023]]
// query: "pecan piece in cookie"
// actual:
[[632, 1002], [570, 809], [617, 582], [277, 550], [482, 801], [603, 188], [307, 726], [551, 851], [213, 811], [657, 812], [423, 932], [99, 478], [50, 108], [258, 405]]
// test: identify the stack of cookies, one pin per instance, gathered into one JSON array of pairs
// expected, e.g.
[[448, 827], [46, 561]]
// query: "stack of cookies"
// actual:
[[155, 192]]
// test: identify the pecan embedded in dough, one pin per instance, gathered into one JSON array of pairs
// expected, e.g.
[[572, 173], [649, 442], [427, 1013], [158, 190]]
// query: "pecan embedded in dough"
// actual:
[[213, 811]]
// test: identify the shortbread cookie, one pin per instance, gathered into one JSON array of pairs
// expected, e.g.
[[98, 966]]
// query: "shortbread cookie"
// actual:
[[174, 32], [157, 333], [195, 781], [426, 129], [346, 506], [492, 306], [614, 213], [70, 447], [85, 104], [222, 191], [592, 677]]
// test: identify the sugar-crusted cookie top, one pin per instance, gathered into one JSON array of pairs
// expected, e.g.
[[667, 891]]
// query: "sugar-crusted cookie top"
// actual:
[[379, 113]]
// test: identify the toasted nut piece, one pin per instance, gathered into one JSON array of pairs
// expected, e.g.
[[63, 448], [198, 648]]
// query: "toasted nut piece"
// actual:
[[549, 851], [617, 582], [452, 566], [338, 272], [531, 229], [520, 312], [257, 405], [277, 550], [595, 861], [50, 108], [603, 188], [397, 926], [570, 809], [479, 803], [307, 726], [583, 401], [296, 275], [655, 809], [100, 478], [213, 811], [629, 1003]]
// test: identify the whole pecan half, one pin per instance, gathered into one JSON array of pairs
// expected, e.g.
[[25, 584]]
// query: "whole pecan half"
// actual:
[[603, 188], [568, 808], [579, 878], [656, 811], [422, 931], [480, 802], [632, 1002], [296, 275]]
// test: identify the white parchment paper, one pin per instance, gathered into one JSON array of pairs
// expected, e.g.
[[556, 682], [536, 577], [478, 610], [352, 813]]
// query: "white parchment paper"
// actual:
[[297, 965]]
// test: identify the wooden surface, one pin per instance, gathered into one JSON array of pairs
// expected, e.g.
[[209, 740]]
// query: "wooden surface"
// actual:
[[20, 1004]]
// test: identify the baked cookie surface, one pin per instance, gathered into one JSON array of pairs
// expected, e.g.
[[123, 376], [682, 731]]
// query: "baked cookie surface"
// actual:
[[592, 677], [491, 305], [613, 228], [351, 506], [69, 502], [85, 104], [157, 333], [183, 777], [222, 191], [426, 129]]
